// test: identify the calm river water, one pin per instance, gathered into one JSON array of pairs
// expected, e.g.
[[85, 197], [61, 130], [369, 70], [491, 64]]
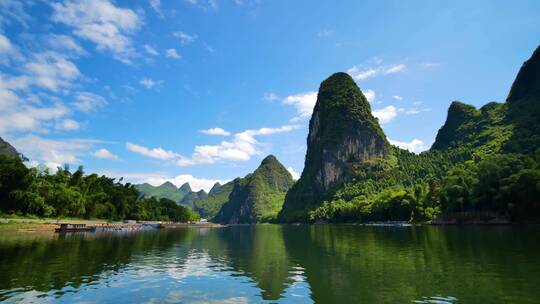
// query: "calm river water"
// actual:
[[271, 263]]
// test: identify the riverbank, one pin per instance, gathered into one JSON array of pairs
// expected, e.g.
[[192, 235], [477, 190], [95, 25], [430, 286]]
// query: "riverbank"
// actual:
[[29, 225]]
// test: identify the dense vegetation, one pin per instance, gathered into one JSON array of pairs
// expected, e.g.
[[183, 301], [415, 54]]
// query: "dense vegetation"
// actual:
[[183, 195], [38, 192], [483, 167], [208, 207], [259, 196]]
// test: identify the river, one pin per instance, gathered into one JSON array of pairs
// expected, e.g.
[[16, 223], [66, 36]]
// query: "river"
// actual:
[[273, 263]]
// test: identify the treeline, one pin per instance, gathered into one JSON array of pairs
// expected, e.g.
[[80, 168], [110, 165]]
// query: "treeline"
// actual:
[[25, 191], [438, 184]]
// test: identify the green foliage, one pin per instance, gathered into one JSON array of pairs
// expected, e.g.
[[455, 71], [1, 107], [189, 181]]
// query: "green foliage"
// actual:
[[259, 196], [166, 190], [64, 194], [210, 206]]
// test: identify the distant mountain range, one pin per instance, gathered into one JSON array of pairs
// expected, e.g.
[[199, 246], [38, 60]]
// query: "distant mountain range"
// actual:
[[182, 196]]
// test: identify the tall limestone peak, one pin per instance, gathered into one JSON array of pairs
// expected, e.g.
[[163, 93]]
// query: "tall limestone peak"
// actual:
[[451, 133], [186, 188], [342, 132], [526, 86], [215, 188], [259, 196], [169, 185], [7, 149]]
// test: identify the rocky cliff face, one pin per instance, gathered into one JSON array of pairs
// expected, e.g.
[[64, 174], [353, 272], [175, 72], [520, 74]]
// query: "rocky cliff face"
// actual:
[[498, 127], [342, 132], [7, 149], [526, 86], [259, 196]]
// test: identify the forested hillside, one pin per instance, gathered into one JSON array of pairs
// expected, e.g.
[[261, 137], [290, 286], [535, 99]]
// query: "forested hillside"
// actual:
[[483, 167]]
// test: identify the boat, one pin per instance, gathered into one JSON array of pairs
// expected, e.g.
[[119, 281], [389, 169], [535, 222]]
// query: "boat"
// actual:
[[64, 228]]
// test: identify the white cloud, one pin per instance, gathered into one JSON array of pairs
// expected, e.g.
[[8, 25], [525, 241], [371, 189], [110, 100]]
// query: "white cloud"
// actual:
[[100, 22], [86, 101], [52, 71], [361, 72], [149, 83], [184, 37], [156, 6], [270, 96], [150, 50], [14, 10], [216, 131], [415, 145], [394, 69], [196, 184], [104, 154], [416, 110], [294, 174], [65, 44], [8, 51], [30, 113], [157, 153], [385, 114], [303, 102], [172, 53], [397, 97], [158, 178], [241, 147], [68, 125], [370, 95], [53, 153]]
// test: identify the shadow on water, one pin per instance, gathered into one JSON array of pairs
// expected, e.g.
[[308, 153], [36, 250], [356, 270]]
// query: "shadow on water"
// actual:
[[320, 263]]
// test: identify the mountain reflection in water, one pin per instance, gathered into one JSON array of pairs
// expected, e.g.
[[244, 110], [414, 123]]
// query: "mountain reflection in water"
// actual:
[[272, 263]]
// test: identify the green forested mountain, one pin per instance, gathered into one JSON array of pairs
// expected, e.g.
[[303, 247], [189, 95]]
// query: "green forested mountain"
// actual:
[[217, 197], [259, 196], [483, 166], [190, 198], [183, 195]]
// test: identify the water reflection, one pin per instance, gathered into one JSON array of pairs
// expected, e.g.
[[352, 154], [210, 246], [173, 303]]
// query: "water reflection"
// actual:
[[270, 263]]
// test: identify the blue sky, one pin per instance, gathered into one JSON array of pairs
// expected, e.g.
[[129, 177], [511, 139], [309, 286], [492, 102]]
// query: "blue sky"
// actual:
[[202, 90]]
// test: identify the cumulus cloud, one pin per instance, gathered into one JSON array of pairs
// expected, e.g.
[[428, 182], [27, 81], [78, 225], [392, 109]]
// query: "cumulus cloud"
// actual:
[[303, 103], [385, 114], [185, 38], [100, 22], [397, 97], [104, 154], [415, 146], [216, 131], [53, 153], [294, 174], [52, 71], [87, 102], [172, 53], [68, 125], [64, 44], [370, 95], [149, 83], [361, 72], [241, 147], [157, 153]]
